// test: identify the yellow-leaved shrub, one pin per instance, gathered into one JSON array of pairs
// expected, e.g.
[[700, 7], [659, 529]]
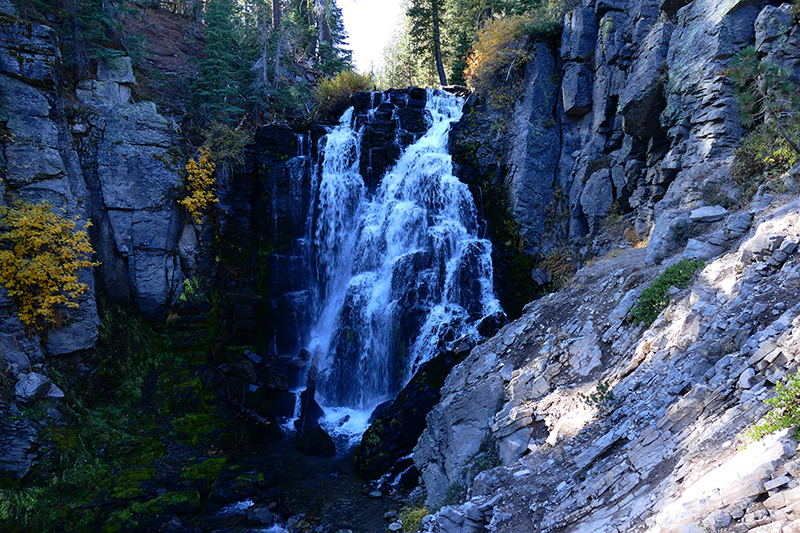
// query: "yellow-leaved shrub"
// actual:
[[41, 254], [495, 66], [200, 187], [333, 94]]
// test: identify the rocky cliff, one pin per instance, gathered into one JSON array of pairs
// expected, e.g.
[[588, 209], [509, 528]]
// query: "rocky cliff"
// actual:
[[573, 418]]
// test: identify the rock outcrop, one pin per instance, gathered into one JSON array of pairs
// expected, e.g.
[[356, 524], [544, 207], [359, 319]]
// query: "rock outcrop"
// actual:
[[643, 101], [601, 425]]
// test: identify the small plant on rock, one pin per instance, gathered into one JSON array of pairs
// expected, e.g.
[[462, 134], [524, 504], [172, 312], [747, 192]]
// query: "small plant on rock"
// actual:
[[785, 411], [656, 296], [602, 396], [411, 518]]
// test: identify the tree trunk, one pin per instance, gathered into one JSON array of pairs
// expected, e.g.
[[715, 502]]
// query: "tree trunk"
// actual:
[[276, 14], [436, 42]]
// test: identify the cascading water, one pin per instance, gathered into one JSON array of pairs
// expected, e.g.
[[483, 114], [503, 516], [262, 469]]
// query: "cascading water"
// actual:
[[396, 267]]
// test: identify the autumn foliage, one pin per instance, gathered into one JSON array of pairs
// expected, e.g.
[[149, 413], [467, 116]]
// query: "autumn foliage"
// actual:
[[494, 67], [333, 94], [41, 254], [200, 188]]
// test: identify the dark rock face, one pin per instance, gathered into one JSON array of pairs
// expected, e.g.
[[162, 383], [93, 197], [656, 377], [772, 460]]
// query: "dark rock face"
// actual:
[[311, 439], [392, 120], [19, 443], [395, 430], [534, 146], [279, 205]]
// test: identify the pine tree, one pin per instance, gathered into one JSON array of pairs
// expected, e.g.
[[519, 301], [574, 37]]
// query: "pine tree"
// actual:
[[221, 73], [425, 17]]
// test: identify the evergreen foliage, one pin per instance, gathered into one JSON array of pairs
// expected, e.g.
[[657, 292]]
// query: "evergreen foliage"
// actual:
[[785, 411], [447, 33], [769, 103], [221, 72], [656, 296], [41, 255], [426, 41]]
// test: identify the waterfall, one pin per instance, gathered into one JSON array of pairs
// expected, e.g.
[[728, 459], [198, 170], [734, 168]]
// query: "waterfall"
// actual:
[[396, 267]]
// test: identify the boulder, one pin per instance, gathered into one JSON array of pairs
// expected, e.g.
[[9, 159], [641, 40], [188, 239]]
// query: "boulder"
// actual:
[[395, 431], [772, 27], [260, 515], [316, 442], [32, 388], [703, 250], [709, 213]]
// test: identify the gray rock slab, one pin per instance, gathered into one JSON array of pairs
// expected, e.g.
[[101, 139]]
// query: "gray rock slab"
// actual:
[[709, 213], [697, 249], [18, 443]]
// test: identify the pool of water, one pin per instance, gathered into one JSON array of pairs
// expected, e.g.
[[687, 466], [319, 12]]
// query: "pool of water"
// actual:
[[322, 495]]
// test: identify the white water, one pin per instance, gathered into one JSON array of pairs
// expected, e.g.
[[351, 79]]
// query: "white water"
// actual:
[[404, 261]]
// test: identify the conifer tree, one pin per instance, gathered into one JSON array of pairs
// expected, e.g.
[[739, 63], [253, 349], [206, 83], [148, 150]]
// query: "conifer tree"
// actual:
[[425, 17], [221, 73]]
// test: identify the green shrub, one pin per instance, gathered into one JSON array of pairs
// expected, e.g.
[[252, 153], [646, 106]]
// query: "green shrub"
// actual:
[[411, 518], [602, 396], [333, 94], [655, 297], [770, 104], [785, 411], [762, 156]]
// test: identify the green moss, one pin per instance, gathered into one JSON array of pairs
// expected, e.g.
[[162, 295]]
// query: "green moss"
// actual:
[[169, 502], [119, 521], [127, 484], [206, 469], [250, 479]]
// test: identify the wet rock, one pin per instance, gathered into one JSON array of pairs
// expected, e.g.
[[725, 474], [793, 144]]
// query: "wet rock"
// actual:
[[317, 442], [395, 431], [176, 526], [260, 515]]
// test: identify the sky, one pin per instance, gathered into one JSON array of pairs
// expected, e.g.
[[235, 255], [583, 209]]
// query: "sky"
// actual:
[[369, 25]]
